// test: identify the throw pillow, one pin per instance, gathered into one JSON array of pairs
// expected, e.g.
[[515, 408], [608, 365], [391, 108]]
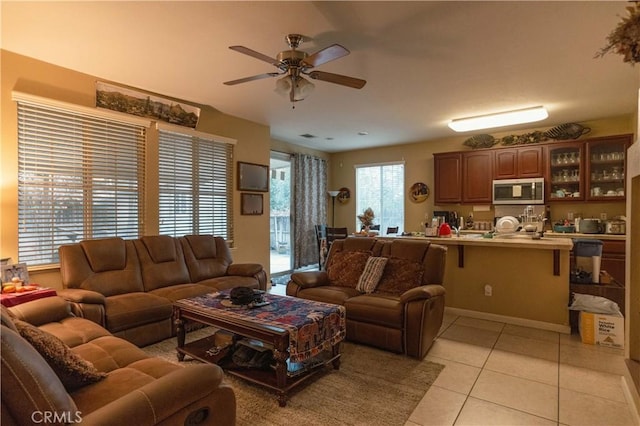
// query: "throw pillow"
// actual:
[[345, 267], [371, 275], [400, 275], [73, 371]]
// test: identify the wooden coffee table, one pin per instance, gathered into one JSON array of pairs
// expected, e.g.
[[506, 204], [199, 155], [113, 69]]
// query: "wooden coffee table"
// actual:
[[298, 330]]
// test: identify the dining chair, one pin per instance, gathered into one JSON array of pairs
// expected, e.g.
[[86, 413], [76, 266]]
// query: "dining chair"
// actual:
[[321, 239]]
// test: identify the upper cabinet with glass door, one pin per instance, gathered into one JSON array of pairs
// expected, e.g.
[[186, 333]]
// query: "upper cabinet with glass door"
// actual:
[[605, 174], [566, 165]]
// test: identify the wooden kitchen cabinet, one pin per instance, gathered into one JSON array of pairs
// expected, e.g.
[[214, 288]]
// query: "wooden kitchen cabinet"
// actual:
[[477, 177], [605, 168], [613, 259], [447, 178], [564, 177], [516, 163]]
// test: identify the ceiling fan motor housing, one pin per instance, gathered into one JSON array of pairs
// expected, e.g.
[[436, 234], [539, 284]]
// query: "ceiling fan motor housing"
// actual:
[[292, 58]]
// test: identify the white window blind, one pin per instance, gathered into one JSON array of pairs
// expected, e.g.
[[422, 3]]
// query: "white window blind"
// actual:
[[195, 185], [381, 187], [79, 177]]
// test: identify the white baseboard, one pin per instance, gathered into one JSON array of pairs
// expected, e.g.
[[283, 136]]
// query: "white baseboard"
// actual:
[[565, 329]]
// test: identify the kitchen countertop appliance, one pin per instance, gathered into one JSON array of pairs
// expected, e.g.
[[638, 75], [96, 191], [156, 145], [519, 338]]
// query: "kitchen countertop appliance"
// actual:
[[616, 226], [591, 226]]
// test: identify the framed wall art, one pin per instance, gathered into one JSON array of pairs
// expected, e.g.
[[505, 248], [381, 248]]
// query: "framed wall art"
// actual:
[[18, 270], [136, 102], [251, 204], [253, 177]]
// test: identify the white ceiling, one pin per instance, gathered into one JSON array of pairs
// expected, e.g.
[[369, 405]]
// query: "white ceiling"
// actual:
[[425, 62]]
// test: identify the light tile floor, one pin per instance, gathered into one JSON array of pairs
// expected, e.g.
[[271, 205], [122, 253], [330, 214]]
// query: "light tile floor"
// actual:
[[502, 374]]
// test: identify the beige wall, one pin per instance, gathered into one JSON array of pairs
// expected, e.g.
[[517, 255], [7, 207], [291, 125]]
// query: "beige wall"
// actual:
[[39, 78], [418, 159]]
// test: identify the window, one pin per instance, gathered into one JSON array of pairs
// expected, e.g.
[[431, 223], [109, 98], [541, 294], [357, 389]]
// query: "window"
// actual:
[[381, 187], [196, 184], [80, 176]]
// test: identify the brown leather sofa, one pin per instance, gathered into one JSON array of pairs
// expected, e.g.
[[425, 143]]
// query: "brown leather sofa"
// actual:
[[404, 313], [137, 389], [129, 286]]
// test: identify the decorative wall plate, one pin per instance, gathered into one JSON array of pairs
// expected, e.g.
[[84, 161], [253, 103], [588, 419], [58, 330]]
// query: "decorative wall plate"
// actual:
[[344, 195], [419, 192]]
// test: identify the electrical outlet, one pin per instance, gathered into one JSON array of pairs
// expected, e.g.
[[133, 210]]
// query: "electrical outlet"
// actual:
[[603, 216], [488, 290]]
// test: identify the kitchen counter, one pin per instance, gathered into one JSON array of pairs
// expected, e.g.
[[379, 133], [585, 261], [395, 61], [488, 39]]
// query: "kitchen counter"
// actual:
[[613, 237], [515, 280]]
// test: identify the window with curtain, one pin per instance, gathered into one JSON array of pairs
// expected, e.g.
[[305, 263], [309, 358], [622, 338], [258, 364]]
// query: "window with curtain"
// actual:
[[80, 176], [381, 187], [195, 185]]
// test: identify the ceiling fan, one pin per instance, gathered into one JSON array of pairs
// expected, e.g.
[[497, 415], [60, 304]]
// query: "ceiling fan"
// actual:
[[293, 64]]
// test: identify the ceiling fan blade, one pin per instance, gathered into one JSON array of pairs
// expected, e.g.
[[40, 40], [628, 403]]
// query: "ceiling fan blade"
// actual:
[[325, 55], [254, 77], [254, 54], [344, 80]]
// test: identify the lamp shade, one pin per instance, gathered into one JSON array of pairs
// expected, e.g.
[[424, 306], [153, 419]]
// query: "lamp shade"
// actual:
[[301, 87], [333, 193]]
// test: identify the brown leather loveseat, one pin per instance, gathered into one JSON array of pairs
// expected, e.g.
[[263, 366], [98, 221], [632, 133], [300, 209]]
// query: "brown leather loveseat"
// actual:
[[132, 388], [402, 311], [129, 286]]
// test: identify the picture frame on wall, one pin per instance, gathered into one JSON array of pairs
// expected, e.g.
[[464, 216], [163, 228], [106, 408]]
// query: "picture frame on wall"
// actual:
[[253, 177], [251, 204]]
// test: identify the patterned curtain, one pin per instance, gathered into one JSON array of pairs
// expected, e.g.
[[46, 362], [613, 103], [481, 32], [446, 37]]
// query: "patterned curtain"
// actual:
[[310, 206]]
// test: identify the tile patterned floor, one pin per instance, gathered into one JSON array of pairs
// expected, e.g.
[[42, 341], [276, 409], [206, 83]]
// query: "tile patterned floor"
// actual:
[[502, 374]]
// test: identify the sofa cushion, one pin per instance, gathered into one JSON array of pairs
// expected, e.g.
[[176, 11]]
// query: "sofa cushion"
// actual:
[[28, 382], [371, 275], [230, 281], [73, 371], [400, 275], [182, 291], [328, 294], [206, 256], [345, 267], [108, 254], [380, 309], [161, 248], [131, 310]]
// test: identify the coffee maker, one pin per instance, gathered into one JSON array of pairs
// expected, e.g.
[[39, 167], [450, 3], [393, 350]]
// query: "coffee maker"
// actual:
[[449, 217]]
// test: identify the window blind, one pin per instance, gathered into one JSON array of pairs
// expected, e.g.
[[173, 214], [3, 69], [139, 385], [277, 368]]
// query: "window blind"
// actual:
[[79, 177], [195, 185]]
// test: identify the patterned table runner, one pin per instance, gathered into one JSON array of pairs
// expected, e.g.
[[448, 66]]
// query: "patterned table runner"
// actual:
[[312, 326]]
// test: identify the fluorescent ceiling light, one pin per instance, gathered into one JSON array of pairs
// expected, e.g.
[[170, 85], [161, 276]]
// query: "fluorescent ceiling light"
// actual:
[[507, 118]]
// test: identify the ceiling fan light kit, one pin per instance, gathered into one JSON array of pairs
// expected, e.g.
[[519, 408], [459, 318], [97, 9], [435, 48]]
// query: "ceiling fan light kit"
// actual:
[[293, 64], [501, 119]]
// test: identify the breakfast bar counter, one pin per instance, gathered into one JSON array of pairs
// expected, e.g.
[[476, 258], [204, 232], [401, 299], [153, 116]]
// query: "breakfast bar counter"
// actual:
[[513, 279]]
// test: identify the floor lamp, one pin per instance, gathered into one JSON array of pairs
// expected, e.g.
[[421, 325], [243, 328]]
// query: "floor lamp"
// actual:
[[333, 195]]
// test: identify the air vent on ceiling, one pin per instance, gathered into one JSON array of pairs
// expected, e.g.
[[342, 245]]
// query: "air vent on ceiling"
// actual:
[[307, 135]]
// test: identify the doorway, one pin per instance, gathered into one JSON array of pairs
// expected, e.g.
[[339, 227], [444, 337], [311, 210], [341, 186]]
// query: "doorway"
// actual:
[[280, 220]]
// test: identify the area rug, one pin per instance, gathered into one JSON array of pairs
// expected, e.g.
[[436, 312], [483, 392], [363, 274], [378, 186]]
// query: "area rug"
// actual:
[[372, 387]]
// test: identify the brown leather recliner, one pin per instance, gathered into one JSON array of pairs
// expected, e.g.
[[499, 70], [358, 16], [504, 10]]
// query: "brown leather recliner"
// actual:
[[129, 286], [404, 313], [138, 389]]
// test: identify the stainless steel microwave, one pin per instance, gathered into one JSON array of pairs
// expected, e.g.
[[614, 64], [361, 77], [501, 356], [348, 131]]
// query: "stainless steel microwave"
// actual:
[[518, 191]]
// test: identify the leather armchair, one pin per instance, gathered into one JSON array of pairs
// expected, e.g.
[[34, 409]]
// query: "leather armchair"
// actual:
[[404, 313]]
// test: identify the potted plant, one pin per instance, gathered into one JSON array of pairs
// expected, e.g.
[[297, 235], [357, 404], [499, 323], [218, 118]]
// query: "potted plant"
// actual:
[[625, 38], [366, 219]]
